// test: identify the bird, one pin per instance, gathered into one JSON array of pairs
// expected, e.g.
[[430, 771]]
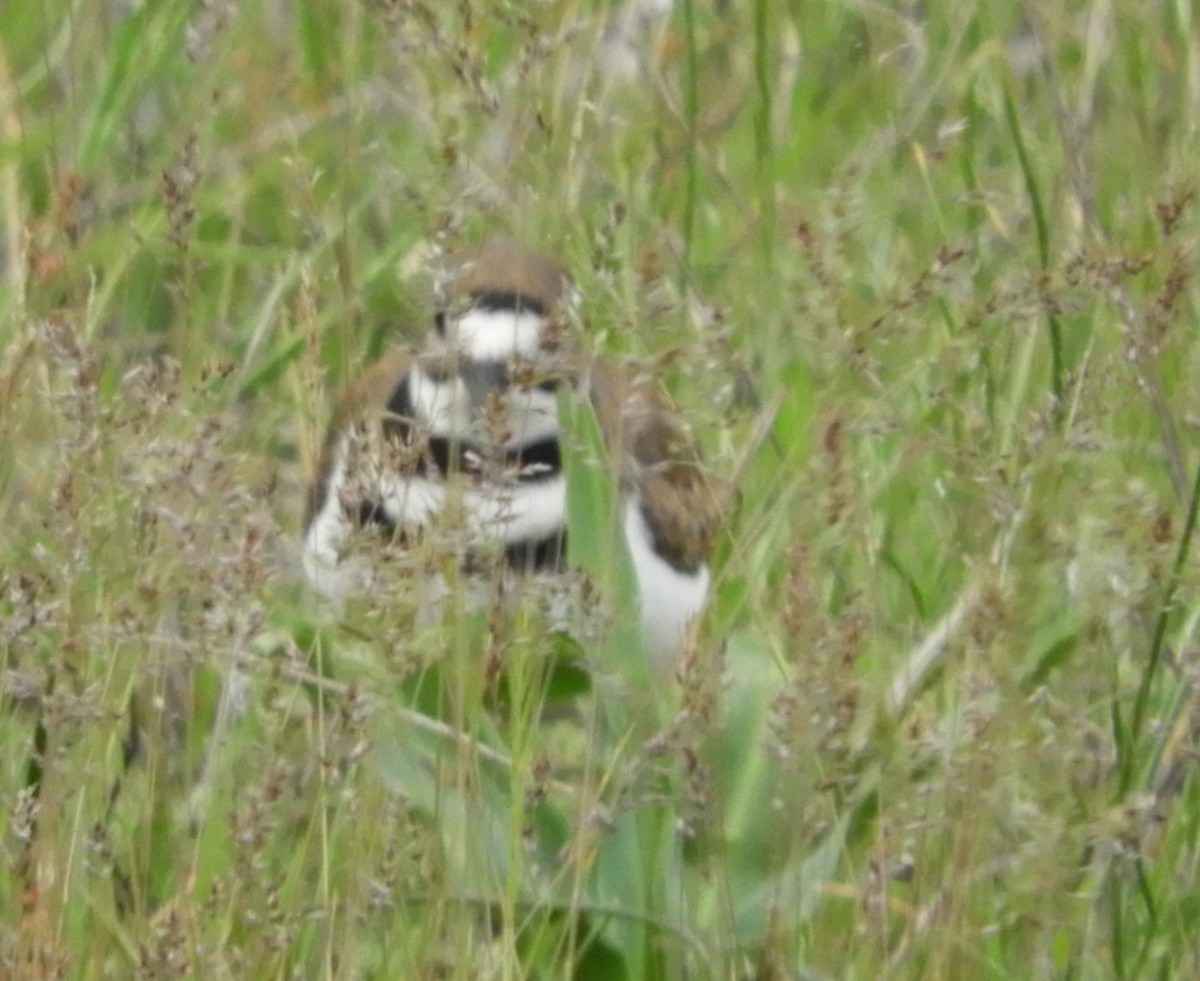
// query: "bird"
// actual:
[[465, 428]]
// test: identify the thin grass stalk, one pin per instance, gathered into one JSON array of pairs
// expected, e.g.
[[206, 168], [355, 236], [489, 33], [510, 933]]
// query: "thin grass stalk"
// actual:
[[1126, 746], [763, 114], [1057, 386], [691, 112]]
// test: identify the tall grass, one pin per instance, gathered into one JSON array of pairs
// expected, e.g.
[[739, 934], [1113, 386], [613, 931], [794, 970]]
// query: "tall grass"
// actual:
[[921, 276]]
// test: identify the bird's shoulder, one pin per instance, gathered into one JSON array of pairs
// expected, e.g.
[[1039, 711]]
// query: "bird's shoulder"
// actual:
[[657, 456]]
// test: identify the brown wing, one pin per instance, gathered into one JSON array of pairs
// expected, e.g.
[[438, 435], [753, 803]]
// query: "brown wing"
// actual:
[[368, 396], [656, 454]]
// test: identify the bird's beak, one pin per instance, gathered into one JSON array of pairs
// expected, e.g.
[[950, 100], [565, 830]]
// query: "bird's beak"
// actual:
[[482, 378]]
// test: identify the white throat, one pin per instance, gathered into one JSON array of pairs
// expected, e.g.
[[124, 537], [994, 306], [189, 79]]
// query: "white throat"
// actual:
[[496, 335], [445, 407]]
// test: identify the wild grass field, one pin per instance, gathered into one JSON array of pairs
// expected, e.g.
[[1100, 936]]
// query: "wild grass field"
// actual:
[[922, 277]]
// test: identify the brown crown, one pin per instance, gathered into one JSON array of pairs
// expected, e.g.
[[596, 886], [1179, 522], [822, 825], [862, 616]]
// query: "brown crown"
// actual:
[[504, 267]]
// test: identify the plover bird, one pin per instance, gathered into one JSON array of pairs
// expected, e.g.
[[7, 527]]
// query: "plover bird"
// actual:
[[467, 426]]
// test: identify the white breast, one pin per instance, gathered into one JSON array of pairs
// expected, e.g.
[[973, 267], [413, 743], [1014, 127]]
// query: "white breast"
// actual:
[[532, 415], [517, 512], [441, 407]]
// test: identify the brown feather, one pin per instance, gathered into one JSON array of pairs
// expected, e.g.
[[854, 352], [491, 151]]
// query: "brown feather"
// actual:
[[657, 453]]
